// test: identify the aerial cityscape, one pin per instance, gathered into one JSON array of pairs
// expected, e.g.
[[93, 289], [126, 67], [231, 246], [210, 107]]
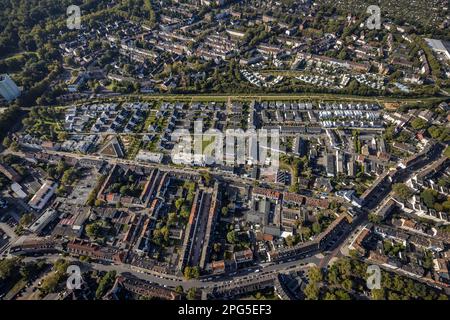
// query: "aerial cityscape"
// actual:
[[224, 150]]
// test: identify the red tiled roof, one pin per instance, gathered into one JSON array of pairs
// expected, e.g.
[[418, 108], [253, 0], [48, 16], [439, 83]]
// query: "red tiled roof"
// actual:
[[267, 193], [293, 197]]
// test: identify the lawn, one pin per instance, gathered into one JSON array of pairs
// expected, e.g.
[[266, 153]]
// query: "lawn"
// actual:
[[15, 289]]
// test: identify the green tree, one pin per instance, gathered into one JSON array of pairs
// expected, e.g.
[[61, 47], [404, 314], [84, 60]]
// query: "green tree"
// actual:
[[418, 123], [333, 275], [378, 294], [295, 188], [429, 197], [191, 294], [124, 190], [185, 212], [179, 203], [306, 232], [51, 283], [315, 274], [61, 167], [374, 218], [345, 267], [172, 218], [342, 295], [330, 296], [68, 176], [224, 211], [14, 146], [427, 261], [316, 227], [311, 291], [93, 230], [62, 135], [402, 191], [28, 270], [342, 54], [232, 237], [447, 152], [217, 247], [207, 178], [161, 235], [26, 219], [347, 284], [85, 259], [105, 283], [440, 133], [397, 283], [191, 272], [7, 142], [179, 289], [8, 267], [290, 240]]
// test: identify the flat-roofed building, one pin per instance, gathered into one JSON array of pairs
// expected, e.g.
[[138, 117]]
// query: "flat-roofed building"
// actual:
[[47, 217], [300, 147], [331, 165], [41, 198], [439, 46], [10, 173]]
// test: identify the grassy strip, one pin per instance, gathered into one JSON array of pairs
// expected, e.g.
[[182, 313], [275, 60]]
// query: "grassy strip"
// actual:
[[15, 289]]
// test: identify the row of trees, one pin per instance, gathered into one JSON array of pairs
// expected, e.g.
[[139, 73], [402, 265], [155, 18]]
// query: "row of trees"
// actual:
[[347, 278], [9, 116], [183, 206], [105, 283], [435, 200], [15, 270], [53, 281], [191, 272], [91, 200]]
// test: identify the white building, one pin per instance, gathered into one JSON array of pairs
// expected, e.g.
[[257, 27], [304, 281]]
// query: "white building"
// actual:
[[43, 195], [441, 47], [18, 190], [48, 216], [146, 156]]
